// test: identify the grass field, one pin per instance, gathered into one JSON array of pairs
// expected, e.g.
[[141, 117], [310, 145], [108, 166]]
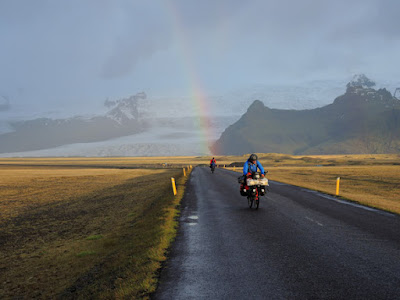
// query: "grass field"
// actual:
[[269, 159], [375, 186], [84, 232], [99, 227]]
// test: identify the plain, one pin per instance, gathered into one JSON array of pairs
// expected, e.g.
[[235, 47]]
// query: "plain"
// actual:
[[100, 227]]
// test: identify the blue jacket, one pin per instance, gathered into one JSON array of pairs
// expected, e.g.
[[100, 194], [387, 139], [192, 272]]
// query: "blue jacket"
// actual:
[[253, 167]]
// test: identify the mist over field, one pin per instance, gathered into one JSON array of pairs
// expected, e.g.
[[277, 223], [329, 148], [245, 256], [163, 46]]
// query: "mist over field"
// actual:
[[200, 65]]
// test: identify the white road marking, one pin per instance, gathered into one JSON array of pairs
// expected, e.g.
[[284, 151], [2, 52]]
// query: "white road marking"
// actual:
[[355, 204], [314, 221]]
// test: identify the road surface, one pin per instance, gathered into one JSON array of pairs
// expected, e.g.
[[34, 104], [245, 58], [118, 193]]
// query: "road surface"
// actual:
[[299, 244]]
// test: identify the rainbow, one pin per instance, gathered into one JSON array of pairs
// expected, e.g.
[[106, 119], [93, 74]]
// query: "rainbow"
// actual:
[[197, 93]]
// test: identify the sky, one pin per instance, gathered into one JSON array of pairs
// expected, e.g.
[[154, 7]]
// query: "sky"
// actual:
[[55, 52]]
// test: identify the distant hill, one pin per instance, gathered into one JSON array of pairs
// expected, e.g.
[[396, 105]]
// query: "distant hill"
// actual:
[[363, 120], [121, 120]]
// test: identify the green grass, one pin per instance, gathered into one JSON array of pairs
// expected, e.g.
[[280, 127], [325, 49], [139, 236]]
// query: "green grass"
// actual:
[[94, 237]]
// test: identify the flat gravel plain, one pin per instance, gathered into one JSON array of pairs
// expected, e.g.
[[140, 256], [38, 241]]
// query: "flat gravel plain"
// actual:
[[299, 244]]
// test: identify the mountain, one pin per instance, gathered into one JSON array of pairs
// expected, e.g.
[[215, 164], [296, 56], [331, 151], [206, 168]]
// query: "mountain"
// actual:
[[121, 120], [4, 103], [166, 125], [363, 120], [143, 125]]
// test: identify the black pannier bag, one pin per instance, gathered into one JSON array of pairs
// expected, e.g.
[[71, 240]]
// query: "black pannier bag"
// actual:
[[241, 180]]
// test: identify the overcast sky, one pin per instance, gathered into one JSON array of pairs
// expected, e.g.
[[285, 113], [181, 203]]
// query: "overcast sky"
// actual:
[[87, 50]]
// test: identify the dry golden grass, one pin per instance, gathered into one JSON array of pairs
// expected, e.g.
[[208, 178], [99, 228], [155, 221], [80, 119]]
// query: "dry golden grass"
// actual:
[[376, 186], [274, 159], [22, 188], [109, 161], [124, 162], [84, 232]]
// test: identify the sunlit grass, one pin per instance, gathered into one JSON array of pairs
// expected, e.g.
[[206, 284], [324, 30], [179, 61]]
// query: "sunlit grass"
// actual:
[[84, 232], [178, 161], [22, 188], [376, 186]]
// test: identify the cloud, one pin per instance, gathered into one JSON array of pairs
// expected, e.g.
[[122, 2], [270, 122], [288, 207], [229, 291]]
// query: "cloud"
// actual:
[[96, 48], [129, 50]]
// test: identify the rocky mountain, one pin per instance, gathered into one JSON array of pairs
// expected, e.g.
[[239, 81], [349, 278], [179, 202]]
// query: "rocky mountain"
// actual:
[[4, 103], [360, 80], [363, 120], [121, 120]]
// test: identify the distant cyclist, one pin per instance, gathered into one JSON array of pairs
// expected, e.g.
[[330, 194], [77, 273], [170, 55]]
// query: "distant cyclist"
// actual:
[[213, 162]]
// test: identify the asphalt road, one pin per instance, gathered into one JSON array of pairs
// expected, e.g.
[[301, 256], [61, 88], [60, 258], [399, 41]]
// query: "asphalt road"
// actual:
[[299, 244]]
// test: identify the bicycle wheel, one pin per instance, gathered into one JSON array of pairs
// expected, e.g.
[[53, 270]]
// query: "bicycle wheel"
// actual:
[[250, 201], [257, 203]]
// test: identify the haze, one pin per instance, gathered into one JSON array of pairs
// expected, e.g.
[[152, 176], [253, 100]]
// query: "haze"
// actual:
[[77, 53]]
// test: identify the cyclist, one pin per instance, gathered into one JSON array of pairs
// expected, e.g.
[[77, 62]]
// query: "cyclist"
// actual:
[[213, 162], [251, 165]]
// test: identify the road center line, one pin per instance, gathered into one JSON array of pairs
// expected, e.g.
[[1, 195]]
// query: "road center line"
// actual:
[[314, 221]]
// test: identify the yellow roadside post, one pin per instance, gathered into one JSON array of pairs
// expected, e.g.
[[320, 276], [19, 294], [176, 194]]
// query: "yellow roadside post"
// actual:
[[234, 169], [173, 185], [184, 172], [337, 186]]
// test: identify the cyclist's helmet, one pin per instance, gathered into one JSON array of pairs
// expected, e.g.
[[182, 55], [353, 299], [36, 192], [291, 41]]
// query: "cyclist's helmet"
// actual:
[[253, 157]]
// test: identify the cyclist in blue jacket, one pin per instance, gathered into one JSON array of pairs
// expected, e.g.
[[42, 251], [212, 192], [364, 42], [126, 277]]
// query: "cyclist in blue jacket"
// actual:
[[251, 165]]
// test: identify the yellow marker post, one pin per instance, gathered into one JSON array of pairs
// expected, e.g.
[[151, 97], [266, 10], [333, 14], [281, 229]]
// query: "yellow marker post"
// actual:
[[173, 185], [337, 186], [234, 169], [184, 172]]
